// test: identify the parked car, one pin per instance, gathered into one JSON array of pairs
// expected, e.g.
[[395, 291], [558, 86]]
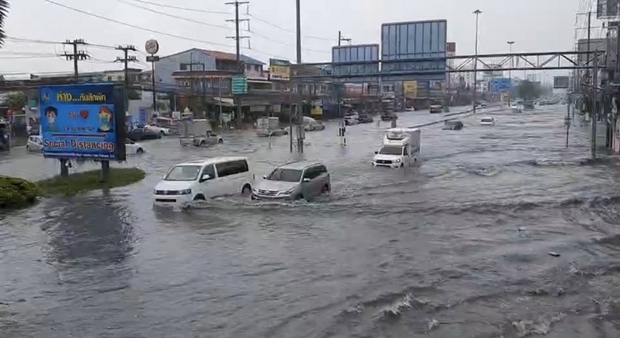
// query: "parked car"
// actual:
[[202, 180], [160, 130], [299, 180], [132, 147], [140, 134], [35, 143], [436, 109], [363, 118]]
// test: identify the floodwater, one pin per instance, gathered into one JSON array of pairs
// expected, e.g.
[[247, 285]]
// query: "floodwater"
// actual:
[[455, 247]]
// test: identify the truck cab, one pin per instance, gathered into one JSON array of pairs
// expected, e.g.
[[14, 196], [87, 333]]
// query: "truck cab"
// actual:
[[401, 147]]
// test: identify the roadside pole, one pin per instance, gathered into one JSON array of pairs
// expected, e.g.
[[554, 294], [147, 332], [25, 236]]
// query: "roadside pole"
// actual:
[[594, 108], [567, 119]]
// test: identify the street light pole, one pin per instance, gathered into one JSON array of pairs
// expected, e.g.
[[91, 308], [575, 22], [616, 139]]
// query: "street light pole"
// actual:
[[510, 43], [477, 12]]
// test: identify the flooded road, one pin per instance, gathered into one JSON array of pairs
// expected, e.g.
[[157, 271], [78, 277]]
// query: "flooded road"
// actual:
[[455, 247]]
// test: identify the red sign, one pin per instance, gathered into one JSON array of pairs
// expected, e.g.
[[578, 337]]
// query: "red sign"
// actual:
[[451, 47]]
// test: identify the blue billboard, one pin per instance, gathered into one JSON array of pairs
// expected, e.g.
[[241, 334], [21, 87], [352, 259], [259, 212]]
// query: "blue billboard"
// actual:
[[500, 85], [422, 40], [353, 53], [81, 121]]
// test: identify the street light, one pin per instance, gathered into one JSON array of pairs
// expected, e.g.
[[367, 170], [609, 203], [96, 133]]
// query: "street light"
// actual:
[[477, 12], [510, 43]]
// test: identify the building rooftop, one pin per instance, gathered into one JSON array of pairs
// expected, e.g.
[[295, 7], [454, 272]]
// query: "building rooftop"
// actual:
[[221, 56]]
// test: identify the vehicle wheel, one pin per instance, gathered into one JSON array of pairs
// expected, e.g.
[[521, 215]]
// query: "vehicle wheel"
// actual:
[[139, 151], [27, 148], [220, 141], [199, 197], [202, 143], [402, 165], [161, 134], [326, 188], [246, 190]]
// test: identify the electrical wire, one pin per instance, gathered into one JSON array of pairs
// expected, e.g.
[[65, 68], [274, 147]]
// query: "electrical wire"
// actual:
[[181, 8], [137, 27], [175, 16], [188, 9]]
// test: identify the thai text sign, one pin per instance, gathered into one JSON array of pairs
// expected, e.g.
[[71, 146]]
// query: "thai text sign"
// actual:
[[279, 72], [410, 89], [80, 121]]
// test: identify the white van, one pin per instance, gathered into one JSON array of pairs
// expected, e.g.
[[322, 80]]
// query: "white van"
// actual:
[[202, 180], [487, 121]]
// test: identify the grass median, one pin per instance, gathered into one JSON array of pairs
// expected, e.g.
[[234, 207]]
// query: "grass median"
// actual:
[[17, 193]]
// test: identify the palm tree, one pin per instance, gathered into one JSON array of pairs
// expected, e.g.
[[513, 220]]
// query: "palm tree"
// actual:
[[4, 12]]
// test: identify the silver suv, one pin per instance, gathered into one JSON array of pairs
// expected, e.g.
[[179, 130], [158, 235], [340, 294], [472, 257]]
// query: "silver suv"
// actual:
[[293, 181]]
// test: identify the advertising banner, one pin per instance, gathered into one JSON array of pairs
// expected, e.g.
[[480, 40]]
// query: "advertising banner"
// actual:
[[80, 121], [279, 73], [410, 89]]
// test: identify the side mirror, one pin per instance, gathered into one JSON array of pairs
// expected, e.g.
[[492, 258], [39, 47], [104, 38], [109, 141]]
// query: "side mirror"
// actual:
[[376, 152], [205, 177], [264, 177], [306, 180]]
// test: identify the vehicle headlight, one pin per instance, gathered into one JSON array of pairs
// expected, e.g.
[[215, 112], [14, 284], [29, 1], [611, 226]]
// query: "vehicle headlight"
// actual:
[[397, 160], [185, 192]]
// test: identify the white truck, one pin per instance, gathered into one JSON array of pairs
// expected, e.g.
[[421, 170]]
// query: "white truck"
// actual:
[[269, 126], [401, 147], [197, 133]]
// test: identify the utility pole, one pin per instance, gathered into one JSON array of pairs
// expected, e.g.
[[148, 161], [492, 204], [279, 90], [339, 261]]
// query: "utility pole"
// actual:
[[76, 56], [512, 65], [237, 39], [594, 114], [477, 12], [341, 38], [125, 60], [298, 109]]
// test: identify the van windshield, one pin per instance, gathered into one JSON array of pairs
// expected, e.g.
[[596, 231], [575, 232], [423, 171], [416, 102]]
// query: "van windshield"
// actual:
[[391, 151], [183, 173], [285, 175]]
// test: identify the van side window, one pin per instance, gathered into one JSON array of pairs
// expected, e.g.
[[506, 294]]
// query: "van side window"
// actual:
[[209, 170], [232, 168]]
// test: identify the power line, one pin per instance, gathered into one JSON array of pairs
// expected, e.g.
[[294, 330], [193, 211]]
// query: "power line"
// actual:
[[198, 10], [137, 27], [181, 8], [174, 16]]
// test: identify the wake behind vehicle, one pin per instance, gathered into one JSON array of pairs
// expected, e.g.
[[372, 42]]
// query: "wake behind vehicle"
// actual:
[[401, 147], [202, 180], [299, 180]]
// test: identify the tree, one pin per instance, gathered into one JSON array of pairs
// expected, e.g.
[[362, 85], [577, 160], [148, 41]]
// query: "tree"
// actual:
[[16, 101], [529, 90], [4, 11]]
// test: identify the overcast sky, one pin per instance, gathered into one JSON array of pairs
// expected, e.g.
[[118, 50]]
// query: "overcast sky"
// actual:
[[535, 25]]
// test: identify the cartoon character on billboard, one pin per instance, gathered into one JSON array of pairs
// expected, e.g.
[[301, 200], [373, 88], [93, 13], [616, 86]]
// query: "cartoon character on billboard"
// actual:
[[106, 120], [51, 115]]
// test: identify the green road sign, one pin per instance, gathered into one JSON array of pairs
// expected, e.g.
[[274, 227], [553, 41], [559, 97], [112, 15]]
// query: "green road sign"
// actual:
[[239, 85]]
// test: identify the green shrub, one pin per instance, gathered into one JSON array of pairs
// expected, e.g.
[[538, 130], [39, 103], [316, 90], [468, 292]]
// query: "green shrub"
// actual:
[[16, 192], [89, 180]]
